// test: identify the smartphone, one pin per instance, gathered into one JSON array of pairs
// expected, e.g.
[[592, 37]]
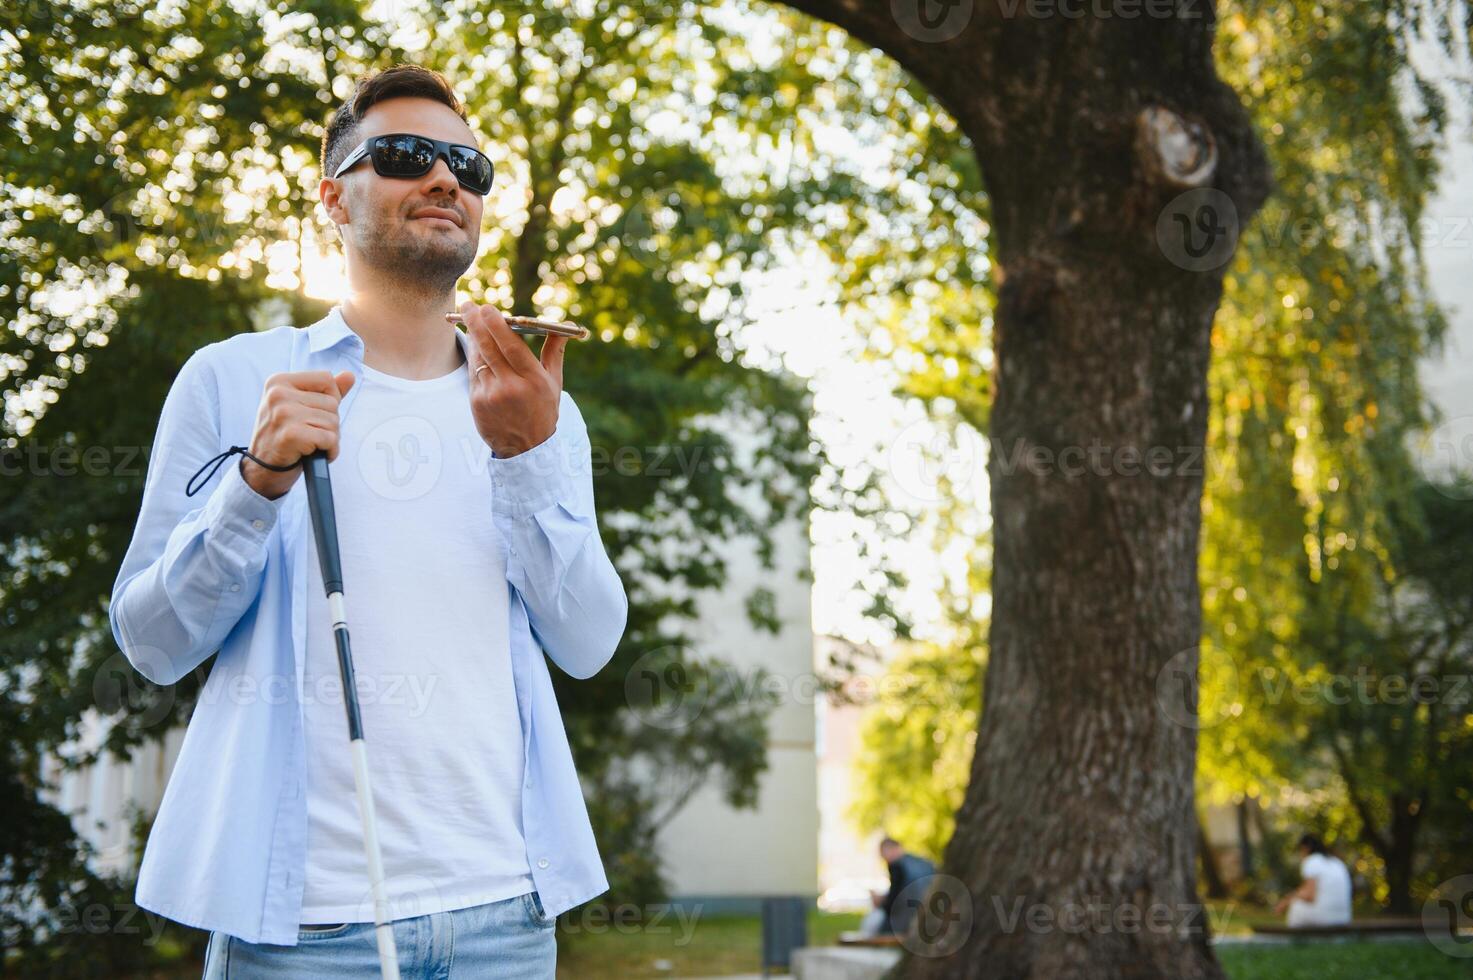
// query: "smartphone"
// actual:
[[532, 327]]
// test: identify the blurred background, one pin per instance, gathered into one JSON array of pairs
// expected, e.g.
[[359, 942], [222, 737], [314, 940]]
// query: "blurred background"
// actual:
[[781, 240]]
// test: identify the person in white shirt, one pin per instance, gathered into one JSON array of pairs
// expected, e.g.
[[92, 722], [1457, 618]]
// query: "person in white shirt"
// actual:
[[463, 487], [1323, 898]]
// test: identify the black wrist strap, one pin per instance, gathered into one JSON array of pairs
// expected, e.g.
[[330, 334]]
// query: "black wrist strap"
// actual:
[[220, 459]]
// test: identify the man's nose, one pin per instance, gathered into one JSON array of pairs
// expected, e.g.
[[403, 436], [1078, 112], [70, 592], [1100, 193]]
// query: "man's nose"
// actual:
[[440, 178]]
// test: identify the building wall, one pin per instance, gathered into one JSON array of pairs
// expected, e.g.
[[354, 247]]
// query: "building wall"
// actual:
[[710, 850], [103, 799], [1448, 243]]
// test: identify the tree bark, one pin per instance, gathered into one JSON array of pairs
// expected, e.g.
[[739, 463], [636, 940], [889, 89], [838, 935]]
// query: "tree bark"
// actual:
[[1245, 842], [1211, 871], [1081, 796], [1401, 854]]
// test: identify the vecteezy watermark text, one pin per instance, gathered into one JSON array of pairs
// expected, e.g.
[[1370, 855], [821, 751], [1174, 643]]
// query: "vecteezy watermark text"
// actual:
[[1098, 459]]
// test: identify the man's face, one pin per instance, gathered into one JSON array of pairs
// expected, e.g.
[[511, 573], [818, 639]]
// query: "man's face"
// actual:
[[421, 229]]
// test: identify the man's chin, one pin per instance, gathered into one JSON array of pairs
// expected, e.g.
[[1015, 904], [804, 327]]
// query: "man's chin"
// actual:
[[433, 259]]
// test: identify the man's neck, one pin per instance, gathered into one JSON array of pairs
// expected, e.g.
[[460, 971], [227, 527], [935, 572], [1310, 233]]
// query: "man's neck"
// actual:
[[404, 334]]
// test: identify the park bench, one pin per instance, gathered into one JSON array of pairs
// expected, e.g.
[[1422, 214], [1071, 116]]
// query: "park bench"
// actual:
[[1356, 929], [860, 939]]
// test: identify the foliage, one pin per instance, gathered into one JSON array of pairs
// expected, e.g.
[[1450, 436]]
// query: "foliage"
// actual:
[[1382, 704], [1310, 485], [916, 744]]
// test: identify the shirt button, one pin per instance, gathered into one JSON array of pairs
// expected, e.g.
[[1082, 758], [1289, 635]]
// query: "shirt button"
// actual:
[[258, 524], [542, 862], [234, 586]]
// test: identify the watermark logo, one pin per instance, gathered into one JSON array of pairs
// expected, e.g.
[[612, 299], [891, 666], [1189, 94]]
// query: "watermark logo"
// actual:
[[1181, 680], [1447, 917], [1103, 916], [119, 687], [1445, 457], [658, 217], [924, 459], [932, 21], [941, 914], [665, 691], [410, 694], [406, 896], [930, 463], [131, 220], [1198, 230], [1101, 9], [118, 919], [1223, 689], [401, 458], [30, 458]]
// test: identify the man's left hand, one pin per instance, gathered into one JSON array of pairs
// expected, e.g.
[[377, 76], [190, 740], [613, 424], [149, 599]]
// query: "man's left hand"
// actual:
[[515, 400]]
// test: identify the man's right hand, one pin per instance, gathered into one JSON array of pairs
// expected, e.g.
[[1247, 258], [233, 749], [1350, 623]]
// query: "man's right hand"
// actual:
[[297, 417]]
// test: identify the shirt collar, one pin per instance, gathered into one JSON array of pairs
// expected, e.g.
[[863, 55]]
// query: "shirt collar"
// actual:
[[332, 330]]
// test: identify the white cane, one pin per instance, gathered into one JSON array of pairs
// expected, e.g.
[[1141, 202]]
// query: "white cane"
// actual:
[[325, 529]]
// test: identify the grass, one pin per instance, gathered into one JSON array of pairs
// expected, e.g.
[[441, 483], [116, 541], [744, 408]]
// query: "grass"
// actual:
[[712, 946], [1344, 961], [706, 946]]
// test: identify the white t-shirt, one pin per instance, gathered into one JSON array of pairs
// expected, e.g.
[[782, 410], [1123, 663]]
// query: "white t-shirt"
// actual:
[[424, 583], [1331, 905]]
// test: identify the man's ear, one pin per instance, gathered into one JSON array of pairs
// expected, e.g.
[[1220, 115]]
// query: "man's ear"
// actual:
[[331, 193]]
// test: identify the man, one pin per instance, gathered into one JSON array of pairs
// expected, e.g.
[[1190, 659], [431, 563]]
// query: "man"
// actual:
[[892, 913], [1323, 898], [463, 490]]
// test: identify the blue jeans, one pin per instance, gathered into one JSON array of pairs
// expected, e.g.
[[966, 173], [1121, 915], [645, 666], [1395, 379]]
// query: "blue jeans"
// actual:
[[512, 938]]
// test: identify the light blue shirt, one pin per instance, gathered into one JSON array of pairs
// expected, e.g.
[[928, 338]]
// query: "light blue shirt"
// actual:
[[225, 570]]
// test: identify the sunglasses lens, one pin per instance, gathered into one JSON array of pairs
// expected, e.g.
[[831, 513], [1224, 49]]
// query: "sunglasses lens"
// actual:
[[471, 168], [404, 156]]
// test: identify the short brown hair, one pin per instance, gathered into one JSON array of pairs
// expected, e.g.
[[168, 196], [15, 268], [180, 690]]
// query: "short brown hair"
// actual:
[[400, 81]]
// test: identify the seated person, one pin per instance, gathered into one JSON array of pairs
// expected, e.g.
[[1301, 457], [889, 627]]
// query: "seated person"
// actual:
[[1323, 899], [891, 916]]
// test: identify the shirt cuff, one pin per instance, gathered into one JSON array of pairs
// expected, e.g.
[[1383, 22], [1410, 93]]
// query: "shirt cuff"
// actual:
[[238, 510], [533, 480]]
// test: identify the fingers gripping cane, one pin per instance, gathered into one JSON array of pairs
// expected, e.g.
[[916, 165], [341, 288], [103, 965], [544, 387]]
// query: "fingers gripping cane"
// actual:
[[325, 529]]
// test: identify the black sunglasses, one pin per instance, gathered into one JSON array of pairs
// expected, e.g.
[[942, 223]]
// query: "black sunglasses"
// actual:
[[408, 155]]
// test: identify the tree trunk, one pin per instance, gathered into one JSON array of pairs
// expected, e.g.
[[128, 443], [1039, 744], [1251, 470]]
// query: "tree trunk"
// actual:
[[1401, 850], [1075, 853], [1245, 842], [1211, 872]]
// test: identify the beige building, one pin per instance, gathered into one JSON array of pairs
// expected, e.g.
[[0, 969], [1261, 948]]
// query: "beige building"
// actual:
[[729, 858]]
